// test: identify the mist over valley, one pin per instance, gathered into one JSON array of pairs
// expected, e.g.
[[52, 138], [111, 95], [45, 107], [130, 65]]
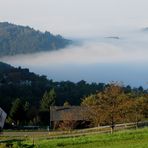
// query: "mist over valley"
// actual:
[[95, 59]]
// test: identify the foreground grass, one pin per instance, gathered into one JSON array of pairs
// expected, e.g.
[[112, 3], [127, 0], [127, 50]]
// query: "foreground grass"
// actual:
[[125, 139]]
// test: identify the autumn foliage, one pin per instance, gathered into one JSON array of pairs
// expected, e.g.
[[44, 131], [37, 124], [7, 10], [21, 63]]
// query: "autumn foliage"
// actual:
[[113, 106]]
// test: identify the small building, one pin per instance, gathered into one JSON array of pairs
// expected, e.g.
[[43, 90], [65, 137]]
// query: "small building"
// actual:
[[67, 113]]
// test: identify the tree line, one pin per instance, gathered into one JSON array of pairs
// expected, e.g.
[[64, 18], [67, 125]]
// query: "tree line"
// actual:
[[33, 94], [113, 106]]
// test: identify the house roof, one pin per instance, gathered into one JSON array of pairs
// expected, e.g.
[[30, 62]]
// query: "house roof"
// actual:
[[61, 113]]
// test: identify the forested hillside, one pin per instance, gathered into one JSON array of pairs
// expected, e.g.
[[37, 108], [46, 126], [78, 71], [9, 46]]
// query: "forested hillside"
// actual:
[[16, 39], [28, 86], [25, 92]]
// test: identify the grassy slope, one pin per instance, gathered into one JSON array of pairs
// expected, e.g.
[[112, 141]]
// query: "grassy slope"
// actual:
[[127, 139]]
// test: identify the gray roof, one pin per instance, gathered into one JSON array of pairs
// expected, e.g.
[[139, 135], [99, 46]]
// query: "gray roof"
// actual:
[[61, 113]]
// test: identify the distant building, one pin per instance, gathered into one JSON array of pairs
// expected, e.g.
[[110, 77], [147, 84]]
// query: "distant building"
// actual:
[[65, 113]]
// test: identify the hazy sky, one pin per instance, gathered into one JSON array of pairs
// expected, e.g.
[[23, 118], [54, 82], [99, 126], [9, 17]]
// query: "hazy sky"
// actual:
[[76, 17]]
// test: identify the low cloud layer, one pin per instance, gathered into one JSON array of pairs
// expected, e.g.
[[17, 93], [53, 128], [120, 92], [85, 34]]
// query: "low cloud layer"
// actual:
[[111, 51], [96, 60]]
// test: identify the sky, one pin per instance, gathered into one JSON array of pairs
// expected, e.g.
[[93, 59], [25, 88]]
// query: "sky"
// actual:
[[97, 59], [77, 18]]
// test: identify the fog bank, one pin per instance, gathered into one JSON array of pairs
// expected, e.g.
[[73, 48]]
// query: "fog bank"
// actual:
[[101, 59]]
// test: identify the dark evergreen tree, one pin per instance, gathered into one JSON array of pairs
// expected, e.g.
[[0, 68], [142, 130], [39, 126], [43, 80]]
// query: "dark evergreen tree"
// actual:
[[17, 111], [48, 100]]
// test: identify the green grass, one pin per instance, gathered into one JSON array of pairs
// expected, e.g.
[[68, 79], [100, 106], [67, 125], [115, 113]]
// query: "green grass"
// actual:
[[125, 139]]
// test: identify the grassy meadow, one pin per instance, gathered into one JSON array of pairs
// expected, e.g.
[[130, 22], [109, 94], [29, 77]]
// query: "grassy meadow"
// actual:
[[124, 139]]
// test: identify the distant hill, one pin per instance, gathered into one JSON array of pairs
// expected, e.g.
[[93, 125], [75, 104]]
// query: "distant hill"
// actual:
[[113, 37], [20, 83], [13, 75], [17, 82], [16, 39], [4, 67]]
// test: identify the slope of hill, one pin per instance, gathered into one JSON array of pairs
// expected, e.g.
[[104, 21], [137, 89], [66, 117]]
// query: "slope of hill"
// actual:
[[4, 67], [28, 86], [15, 39], [21, 83]]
